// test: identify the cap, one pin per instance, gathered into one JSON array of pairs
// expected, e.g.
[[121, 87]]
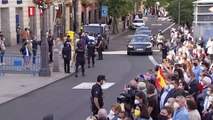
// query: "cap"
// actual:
[[101, 77]]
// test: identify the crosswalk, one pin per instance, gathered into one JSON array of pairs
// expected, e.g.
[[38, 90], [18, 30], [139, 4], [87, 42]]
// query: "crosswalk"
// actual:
[[88, 85]]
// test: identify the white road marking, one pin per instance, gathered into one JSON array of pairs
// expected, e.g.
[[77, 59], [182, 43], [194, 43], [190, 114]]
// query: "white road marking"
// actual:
[[88, 85], [151, 58], [168, 27], [156, 24]]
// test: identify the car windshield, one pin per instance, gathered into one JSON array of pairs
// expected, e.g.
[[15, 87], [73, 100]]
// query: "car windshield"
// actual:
[[144, 32], [138, 21], [140, 39], [93, 29]]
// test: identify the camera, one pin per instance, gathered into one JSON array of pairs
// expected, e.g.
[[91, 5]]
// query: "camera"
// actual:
[[127, 97]]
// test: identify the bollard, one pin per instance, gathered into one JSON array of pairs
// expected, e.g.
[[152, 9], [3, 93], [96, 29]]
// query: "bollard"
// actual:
[[48, 117], [56, 60]]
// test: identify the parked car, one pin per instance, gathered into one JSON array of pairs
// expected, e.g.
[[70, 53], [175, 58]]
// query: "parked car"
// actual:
[[95, 29], [139, 43], [137, 23]]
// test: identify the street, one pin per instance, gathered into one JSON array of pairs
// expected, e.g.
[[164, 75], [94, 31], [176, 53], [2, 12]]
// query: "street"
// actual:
[[66, 103]]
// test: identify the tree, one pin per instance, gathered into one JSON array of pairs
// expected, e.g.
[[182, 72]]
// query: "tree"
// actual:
[[186, 11], [119, 8]]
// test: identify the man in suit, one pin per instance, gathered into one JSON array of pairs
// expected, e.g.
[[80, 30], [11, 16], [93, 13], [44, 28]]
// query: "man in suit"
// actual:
[[166, 93], [193, 85]]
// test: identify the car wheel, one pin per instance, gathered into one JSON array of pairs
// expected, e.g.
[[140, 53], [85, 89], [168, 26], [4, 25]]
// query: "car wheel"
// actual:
[[151, 53]]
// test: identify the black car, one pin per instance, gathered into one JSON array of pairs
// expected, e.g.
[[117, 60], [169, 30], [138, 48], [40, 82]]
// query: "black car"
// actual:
[[139, 44]]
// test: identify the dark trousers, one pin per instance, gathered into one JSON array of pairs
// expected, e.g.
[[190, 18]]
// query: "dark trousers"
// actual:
[[164, 55], [1, 56], [66, 66], [34, 55], [91, 56], [50, 56], [77, 64], [18, 38], [100, 55]]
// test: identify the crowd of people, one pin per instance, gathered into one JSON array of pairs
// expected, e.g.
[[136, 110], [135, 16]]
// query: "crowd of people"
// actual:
[[185, 90]]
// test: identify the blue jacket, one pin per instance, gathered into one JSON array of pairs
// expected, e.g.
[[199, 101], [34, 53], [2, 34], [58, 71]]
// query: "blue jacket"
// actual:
[[181, 114]]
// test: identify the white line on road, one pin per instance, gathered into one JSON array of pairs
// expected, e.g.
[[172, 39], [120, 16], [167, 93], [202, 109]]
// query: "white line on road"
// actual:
[[156, 24], [151, 58], [168, 27]]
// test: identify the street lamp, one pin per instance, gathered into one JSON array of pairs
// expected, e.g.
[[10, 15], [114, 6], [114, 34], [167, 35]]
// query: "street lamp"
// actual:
[[44, 5]]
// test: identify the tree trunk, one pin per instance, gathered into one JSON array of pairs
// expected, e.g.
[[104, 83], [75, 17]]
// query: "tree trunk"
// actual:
[[115, 26], [78, 15]]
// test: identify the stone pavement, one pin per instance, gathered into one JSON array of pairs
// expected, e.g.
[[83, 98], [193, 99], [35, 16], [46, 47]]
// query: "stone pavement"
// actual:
[[16, 85]]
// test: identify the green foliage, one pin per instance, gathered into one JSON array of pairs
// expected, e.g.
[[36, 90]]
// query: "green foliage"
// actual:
[[186, 11], [119, 8]]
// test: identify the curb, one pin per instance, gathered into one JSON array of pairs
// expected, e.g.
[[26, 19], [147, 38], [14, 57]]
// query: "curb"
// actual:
[[72, 74]]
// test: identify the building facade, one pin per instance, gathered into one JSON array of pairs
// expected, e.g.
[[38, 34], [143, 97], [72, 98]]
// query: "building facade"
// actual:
[[203, 19], [22, 12]]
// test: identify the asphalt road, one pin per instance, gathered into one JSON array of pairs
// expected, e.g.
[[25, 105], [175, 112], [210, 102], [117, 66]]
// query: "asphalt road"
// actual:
[[66, 103]]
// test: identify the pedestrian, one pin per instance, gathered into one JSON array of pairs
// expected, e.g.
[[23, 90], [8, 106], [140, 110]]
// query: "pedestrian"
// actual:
[[99, 47], [165, 50], [50, 40], [25, 51], [35, 44], [91, 53], [166, 113], [97, 95], [2, 47], [18, 32], [25, 35], [80, 58], [181, 112], [209, 47], [66, 53]]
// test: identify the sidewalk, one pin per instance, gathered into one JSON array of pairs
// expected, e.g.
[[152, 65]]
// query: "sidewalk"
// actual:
[[17, 85]]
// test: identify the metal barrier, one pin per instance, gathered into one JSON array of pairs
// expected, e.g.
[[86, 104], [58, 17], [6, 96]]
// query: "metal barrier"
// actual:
[[13, 63]]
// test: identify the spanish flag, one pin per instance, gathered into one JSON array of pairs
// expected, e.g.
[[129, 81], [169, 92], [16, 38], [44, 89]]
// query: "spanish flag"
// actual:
[[160, 80]]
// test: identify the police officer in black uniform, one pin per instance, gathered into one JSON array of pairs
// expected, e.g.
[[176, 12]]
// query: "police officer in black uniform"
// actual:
[[66, 54], [80, 58], [91, 53], [165, 50], [99, 47], [97, 95]]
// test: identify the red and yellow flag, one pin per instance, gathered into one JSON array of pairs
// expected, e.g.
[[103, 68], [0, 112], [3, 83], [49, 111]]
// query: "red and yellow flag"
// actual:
[[160, 80]]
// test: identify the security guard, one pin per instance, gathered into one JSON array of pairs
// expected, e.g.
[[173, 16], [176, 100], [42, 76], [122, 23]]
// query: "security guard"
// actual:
[[97, 95], [80, 58], [99, 47], [91, 53]]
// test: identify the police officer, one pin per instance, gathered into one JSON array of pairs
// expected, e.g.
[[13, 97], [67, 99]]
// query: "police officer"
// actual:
[[165, 50], [66, 52], [80, 58], [99, 47], [91, 53], [97, 95]]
